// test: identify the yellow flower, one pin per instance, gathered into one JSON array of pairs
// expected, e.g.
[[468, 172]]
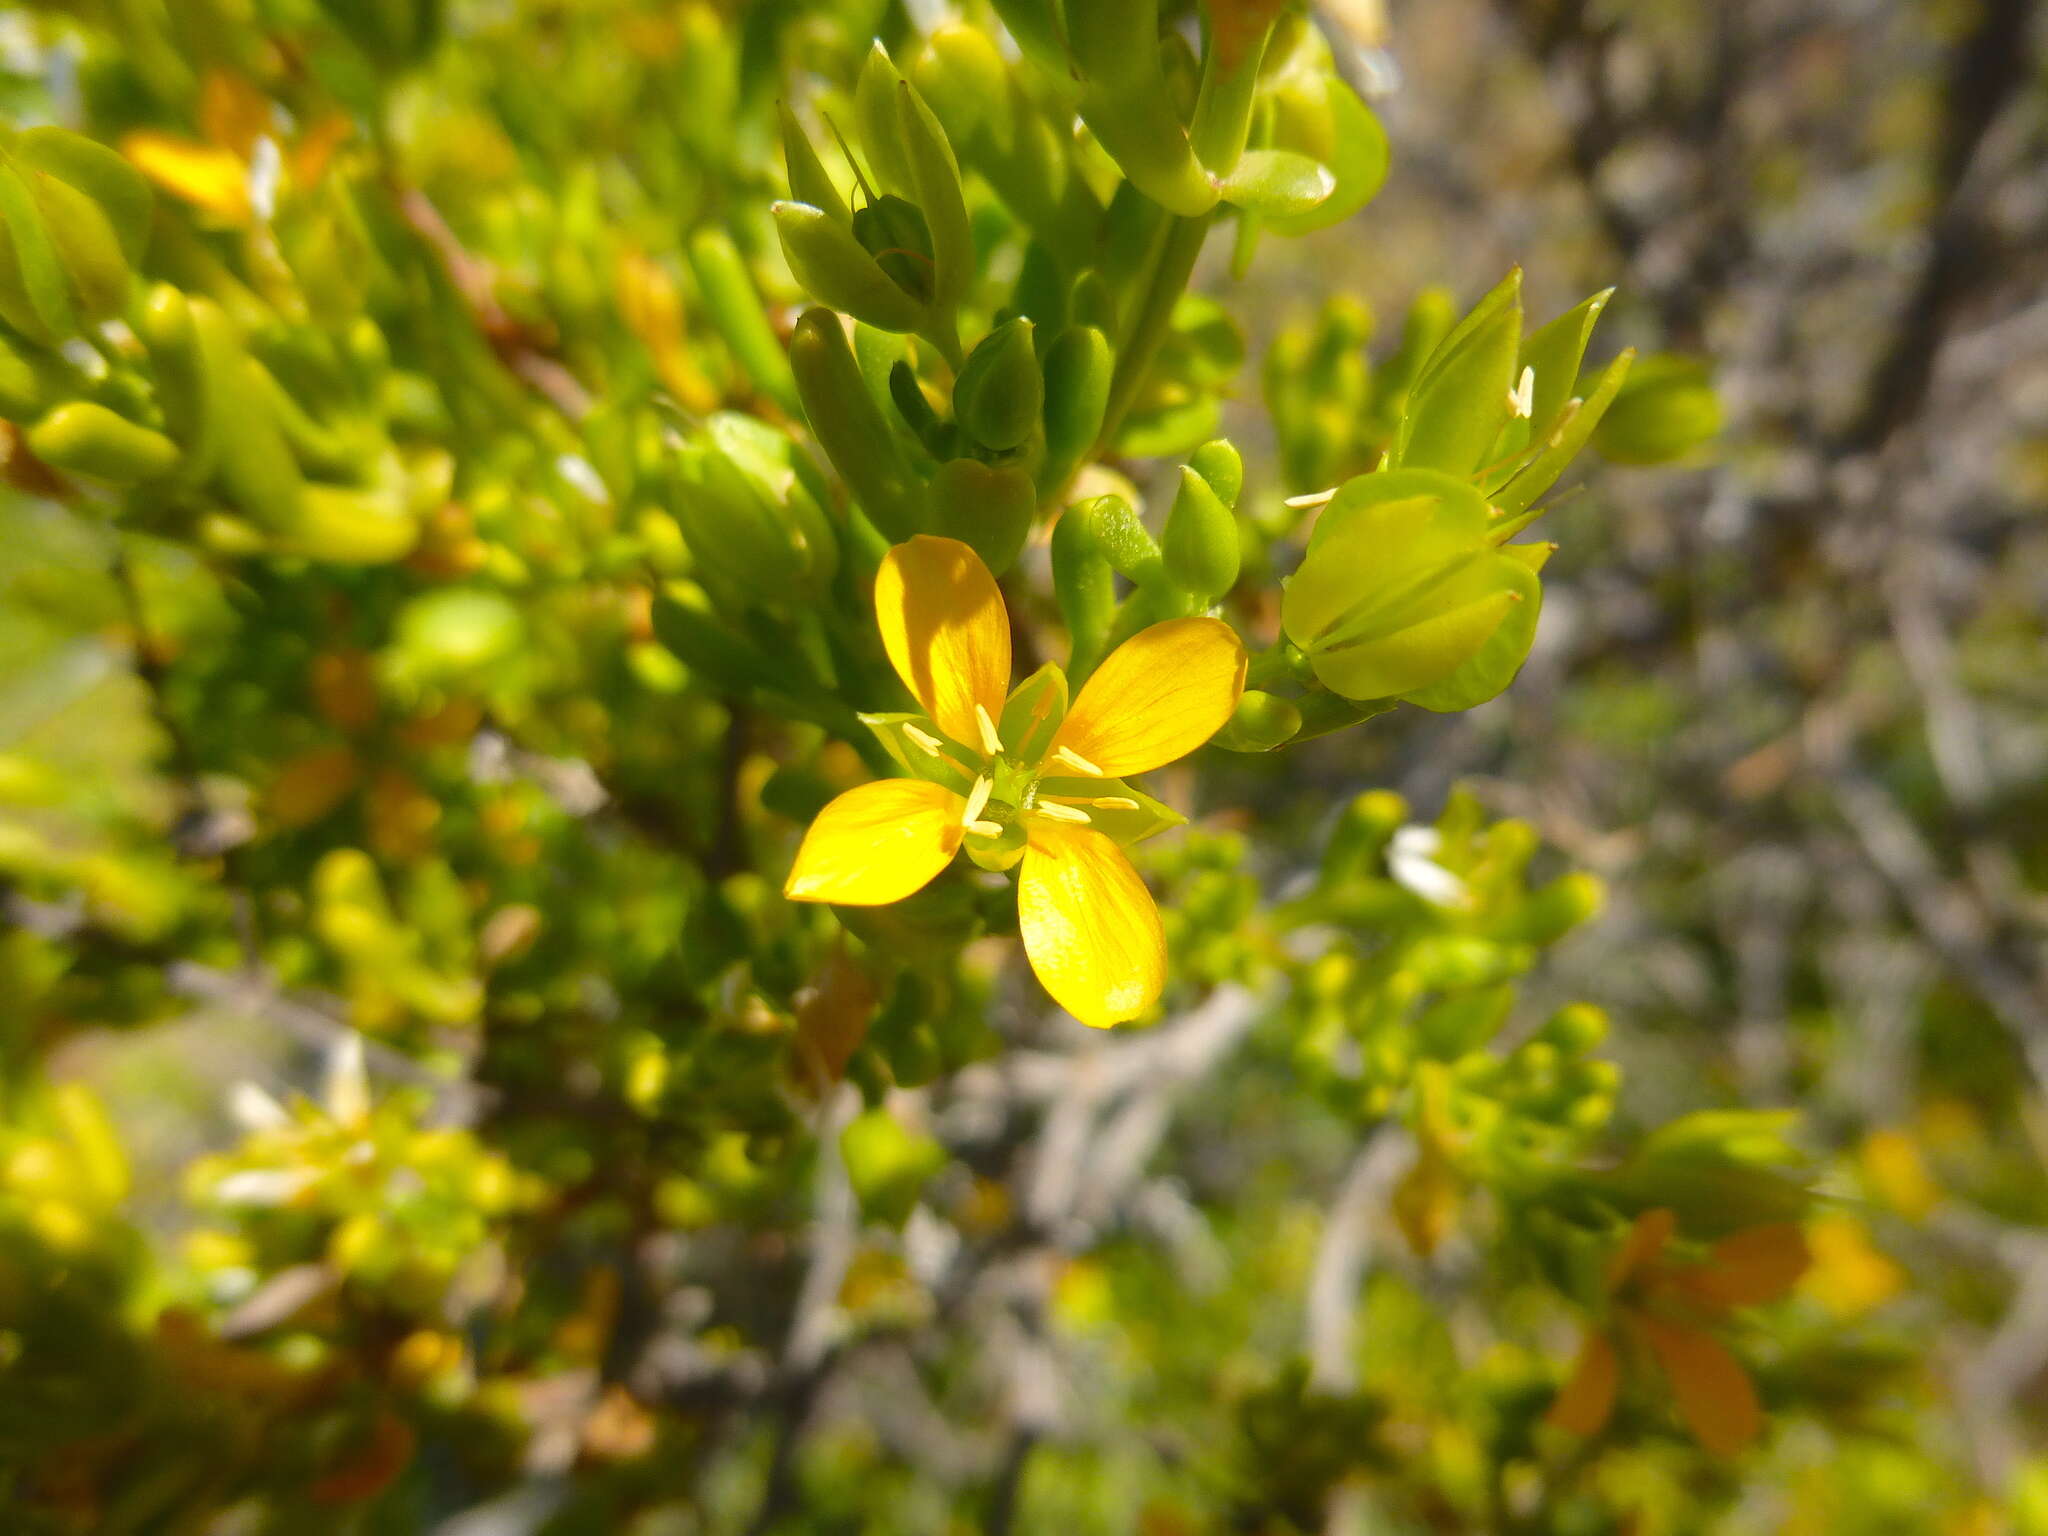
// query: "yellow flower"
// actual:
[[1665, 1309], [1020, 778], [214, 171], [1849, 1275]]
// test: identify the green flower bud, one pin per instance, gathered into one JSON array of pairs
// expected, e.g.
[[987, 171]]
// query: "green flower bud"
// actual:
[[962, 74], [35, 291], [881, 129], [121, 192], [934, 179], [987, 507], [1000, 393], [1401, 586], [1003, 134], [1200, 548], [1318, 115], [1261, 722], [1078, 368], [87, 439], [1464, 393], [1126, 103], [1666, 410], [1222, 466], [97, 270], [755, 531], [837, 270], [852, 431]]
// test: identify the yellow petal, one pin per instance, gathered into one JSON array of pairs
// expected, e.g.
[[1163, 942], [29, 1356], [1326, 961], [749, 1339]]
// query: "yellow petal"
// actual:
[[876, 844], [1714, 1394], [1157, 697], [1585, 1402], [1089, 925], [946, 631], [214, 179]]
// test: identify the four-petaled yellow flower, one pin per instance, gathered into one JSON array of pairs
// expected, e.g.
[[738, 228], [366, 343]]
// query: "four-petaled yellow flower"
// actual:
[[1021, 778], [1666, 1309]]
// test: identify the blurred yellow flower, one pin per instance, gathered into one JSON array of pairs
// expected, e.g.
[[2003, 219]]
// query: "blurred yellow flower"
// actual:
[[1849, 1275], [1897, 1174], [1029, 790], [1665, 1309], [225, 170]]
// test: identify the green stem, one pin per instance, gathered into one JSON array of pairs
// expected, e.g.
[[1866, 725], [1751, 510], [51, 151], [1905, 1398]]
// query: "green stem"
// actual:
[[1167, 281]]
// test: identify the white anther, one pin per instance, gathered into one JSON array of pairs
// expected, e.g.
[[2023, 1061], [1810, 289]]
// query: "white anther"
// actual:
[[924, 739], [977, 800], [985, 828], [1114, 803], [1522, 398], [1052, 811], [1075, 760], [991, 743], [1312, 499]]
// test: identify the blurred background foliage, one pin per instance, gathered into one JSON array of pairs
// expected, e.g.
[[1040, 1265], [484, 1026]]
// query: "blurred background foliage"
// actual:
[[419, 1109]]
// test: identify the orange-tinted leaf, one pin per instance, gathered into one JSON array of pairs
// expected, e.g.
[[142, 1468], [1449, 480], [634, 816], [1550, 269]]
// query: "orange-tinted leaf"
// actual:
[[1756, 1265], [1587, 1399], [1714, 1394]]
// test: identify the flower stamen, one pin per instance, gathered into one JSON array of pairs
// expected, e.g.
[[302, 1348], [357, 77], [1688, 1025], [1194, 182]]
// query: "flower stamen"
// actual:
[[1053, 811], [1522, 398], [1074, 759], [977, 800], [925, 739], [991, 743]]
